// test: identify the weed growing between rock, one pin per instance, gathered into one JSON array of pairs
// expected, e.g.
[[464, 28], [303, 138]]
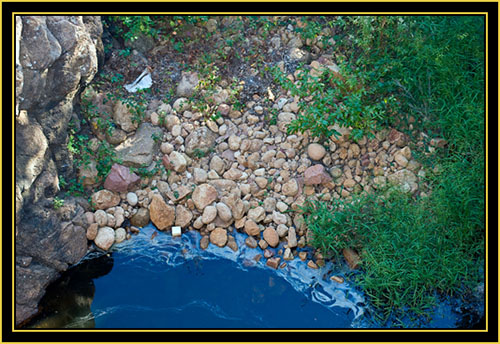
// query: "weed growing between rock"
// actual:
[[423, 75]]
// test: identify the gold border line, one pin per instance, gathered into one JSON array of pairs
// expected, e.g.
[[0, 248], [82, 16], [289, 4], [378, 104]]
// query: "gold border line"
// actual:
[[238, 330]]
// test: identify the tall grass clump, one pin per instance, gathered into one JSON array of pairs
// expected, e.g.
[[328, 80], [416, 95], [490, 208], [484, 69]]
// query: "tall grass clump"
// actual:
[[414, 249]]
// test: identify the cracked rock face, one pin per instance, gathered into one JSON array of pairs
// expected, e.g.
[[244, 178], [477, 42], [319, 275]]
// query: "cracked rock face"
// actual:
[[56, 56]]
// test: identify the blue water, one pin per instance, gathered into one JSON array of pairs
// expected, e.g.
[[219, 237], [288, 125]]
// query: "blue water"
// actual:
[[170, 282], [165, 282]]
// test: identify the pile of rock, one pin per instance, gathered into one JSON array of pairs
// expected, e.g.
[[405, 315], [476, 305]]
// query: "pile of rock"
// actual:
[[238, 172]]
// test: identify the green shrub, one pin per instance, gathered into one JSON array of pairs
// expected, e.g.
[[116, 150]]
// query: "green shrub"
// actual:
[[409, 249], [412, 248]]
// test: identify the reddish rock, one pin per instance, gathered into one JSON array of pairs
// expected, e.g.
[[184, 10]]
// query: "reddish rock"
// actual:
[[396, 137], [161, 214], [120, 179], [273, 262], [351, 258], [316, 175], [166, 162]]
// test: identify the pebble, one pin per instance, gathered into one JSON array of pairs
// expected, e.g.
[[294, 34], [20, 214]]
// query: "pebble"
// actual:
[[120, 235], [337, 279], [132, 199], [316, 151]]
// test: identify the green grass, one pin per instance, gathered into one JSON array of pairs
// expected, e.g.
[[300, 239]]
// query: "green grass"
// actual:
[[409, 249], [415, 249]]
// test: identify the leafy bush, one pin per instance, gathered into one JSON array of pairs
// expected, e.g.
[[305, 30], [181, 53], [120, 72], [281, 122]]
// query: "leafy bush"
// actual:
[[132, 27], [335, 98], [413, 248]]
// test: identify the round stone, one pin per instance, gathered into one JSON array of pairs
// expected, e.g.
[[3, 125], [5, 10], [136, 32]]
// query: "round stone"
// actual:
[[120, 235], [105, 238], [132, 198], [316, 151]]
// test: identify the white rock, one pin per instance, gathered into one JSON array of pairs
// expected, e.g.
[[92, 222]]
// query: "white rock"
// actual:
[[120, 235], [101, 218], [132, 198], [281, 206], [105, 238]]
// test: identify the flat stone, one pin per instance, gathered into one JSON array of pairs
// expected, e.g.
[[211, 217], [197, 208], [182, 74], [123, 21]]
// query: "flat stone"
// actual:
[[204, 195], [137, 150]]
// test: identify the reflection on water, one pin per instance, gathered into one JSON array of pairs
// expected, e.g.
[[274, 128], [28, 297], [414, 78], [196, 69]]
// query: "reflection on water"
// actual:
[[67, 301]]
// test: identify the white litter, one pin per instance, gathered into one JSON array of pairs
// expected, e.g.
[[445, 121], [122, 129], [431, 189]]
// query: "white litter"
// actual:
[[142, 82], [176, 231]]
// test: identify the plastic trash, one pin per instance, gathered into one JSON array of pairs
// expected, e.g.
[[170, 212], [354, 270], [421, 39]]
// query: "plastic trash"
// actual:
[[142, 82]]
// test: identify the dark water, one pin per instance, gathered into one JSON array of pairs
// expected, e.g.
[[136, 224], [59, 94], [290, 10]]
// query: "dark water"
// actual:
[[168, 282]]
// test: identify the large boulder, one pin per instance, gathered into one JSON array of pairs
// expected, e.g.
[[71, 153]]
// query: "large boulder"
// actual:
[[56, 56], [47, 243], [137, 151]]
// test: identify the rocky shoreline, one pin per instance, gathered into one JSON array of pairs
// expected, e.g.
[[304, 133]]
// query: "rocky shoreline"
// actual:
[[227, 165], [253, 177]]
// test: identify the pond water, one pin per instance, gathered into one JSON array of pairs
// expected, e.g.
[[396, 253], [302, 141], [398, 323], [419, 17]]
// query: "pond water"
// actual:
[[166, 282]]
